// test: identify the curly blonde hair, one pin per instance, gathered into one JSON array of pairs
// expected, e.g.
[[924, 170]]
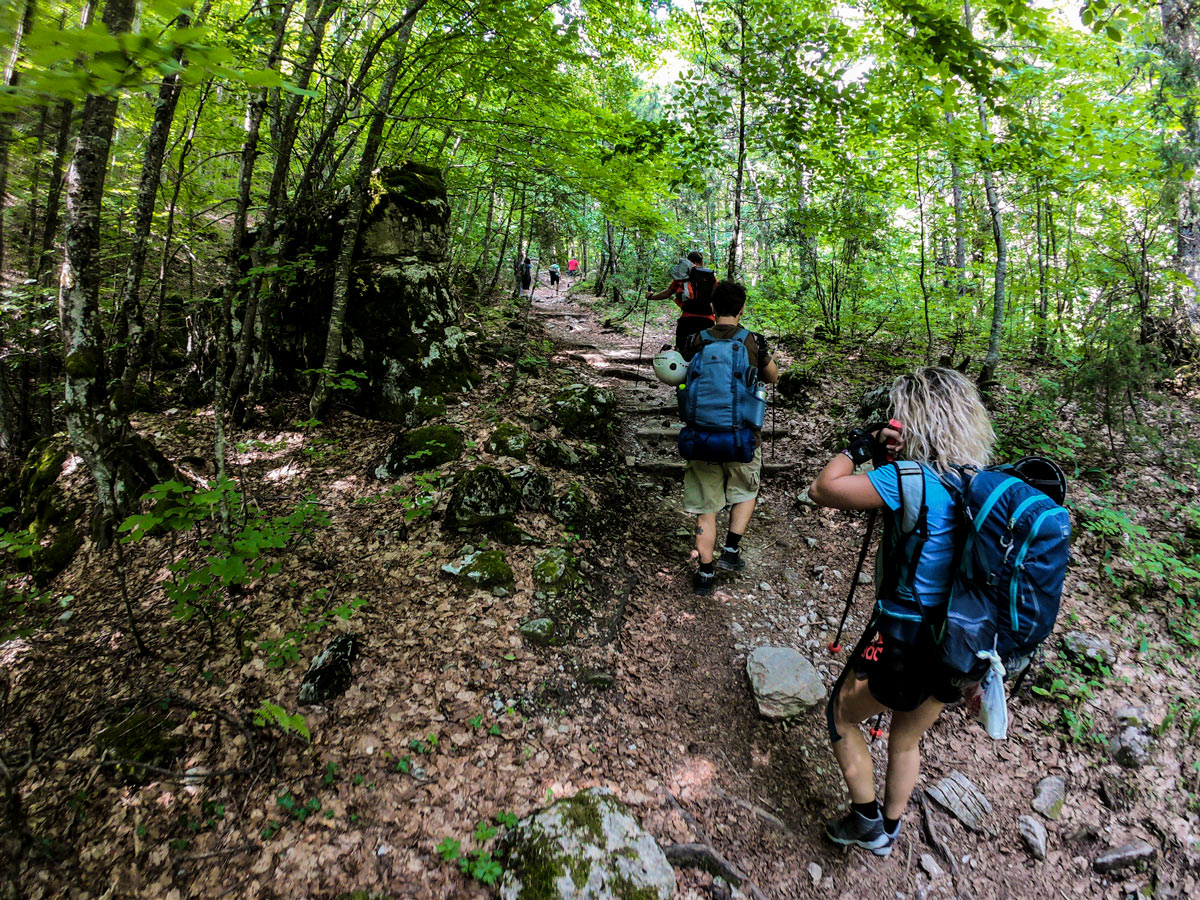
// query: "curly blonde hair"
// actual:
[[945, 421]]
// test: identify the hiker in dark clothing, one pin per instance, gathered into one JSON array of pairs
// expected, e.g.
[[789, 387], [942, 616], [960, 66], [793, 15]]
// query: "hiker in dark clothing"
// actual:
[[943, 423], [526, 275], [691, 288]]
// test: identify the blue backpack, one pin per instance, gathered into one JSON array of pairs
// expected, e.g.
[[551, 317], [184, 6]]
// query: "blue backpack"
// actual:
[[1012, 547], [718, 401], [719, 393]]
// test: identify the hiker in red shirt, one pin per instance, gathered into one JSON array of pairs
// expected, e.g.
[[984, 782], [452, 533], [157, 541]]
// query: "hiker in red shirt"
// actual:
[[691, 288], [572, 267]]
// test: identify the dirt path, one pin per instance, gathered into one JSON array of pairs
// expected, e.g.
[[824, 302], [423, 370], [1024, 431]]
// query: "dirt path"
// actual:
[[761, 791]]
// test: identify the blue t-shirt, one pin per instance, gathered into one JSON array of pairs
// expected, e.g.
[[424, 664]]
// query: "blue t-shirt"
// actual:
[[933, 574]]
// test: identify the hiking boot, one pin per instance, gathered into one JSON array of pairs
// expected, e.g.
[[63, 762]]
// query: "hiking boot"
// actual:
[[856, 830], [703, 583], [731, 560]]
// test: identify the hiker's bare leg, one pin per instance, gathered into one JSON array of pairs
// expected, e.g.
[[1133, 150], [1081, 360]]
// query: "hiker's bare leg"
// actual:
[[904, 754], [855, 704], [706, 536], [739, 516]]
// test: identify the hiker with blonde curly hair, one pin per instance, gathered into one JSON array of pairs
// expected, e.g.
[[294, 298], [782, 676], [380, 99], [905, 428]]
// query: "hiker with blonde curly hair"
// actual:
[[939, 421]]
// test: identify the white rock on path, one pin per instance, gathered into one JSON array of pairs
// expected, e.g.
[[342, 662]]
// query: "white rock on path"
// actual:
[[586, 847], [784, 682]]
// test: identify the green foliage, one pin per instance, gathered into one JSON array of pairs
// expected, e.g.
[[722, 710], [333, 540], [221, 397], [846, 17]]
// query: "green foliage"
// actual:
[[478, 863], [285, 651], [219, 559], [1154, 563], [269, 714]]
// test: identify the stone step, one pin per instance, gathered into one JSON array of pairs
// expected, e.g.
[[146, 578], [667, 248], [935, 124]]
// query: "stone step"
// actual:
[[768, 433], [624, 374], [674, 467]]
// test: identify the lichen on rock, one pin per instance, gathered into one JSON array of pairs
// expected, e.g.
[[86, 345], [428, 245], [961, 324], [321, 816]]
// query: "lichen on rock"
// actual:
[[585, 410], [585, 847], [485, 568], [508, 440], [555, 570], [483, 496]]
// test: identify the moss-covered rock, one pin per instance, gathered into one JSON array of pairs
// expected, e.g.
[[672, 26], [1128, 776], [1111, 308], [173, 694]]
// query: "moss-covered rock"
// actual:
[[558, 454], [483, 496], [585, 847], [484, 568], [536, 488], [139, 740], [414, 407], [585, 410], [542, 631], [555, 570], [420, 449], [573, 509], [508, 440], [50, 522]]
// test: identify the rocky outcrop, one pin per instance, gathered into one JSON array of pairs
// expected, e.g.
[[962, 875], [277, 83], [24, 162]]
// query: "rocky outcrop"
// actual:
[[585, 847], [585, 410], [402, 330], [48, 527]]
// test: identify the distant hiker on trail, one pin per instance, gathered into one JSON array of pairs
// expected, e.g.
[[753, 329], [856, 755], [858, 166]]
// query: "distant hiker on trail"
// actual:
[[572, 267], [554, 276], [691, 288], [943, 424], [526, 276], [721, 441]]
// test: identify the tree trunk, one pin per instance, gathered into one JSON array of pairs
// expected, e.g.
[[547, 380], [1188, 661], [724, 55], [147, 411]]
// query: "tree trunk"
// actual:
[[131, 321], [731, 267], [960, 239], [1183, 51], [992, 359], [120, 460], [11, 77], [316, 17], [358, 202]]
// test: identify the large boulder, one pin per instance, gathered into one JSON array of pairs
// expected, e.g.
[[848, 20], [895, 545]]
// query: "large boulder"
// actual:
[[784, 682], [484, 496], [402, 323], [420, 449], [585, 847]]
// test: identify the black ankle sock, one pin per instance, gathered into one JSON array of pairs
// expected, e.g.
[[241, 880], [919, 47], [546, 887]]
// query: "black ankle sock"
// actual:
[[890, 825], [732, 540], [706, 568], [867, 810]]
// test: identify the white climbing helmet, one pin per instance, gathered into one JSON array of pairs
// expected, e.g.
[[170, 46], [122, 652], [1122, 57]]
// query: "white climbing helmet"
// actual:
[[670, 367]]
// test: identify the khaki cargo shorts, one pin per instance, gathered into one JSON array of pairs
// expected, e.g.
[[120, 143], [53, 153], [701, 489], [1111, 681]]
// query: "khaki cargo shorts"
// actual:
[[710, 487]]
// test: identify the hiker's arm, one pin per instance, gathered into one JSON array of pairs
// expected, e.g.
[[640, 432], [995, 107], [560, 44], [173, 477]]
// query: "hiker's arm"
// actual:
[[769, 374], [661, 295], [839, 488]]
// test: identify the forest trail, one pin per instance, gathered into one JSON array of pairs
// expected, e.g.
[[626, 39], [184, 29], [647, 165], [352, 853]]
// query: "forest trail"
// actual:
[[760, 792]]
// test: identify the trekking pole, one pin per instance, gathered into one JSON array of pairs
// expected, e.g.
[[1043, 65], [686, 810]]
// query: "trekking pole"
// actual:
[[836, 645], [645, 319]]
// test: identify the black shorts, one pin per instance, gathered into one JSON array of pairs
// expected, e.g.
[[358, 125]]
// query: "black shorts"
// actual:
[[903, 676], [689, 325], [554, 278]]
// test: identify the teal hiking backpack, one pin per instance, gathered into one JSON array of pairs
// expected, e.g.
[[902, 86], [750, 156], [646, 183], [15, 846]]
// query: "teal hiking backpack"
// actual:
[[1012, 548]]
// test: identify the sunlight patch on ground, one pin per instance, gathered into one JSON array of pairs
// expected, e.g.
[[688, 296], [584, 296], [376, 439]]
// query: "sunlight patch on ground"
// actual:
[[285, 473], [693, 777]]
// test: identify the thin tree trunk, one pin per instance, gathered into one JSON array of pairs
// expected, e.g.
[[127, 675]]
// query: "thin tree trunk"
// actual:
[[129, 349], [921, 272], [960, 239], [11, 77], [992, 359], [1183, 50], [731, 267], [358, 202], [316, 18], [119, 460], [1040, 223]]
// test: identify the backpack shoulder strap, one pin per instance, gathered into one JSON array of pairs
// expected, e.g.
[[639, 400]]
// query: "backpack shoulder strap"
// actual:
[[910, 484]]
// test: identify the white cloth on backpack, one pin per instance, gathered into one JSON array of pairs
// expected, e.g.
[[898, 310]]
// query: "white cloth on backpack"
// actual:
[[992, 711]]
